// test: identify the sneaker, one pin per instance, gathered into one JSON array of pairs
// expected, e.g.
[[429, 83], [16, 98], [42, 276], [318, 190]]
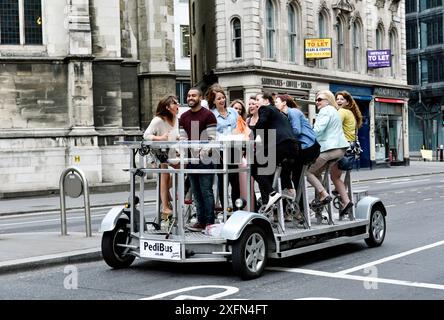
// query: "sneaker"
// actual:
[[274, 197], [288, 194], [196, 227]]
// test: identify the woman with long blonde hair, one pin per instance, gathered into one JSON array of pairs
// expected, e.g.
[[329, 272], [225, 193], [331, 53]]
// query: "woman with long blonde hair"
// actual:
[[329, 134]]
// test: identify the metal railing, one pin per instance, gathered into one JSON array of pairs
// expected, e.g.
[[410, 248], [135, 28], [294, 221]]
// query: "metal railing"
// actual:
[[76, 185]]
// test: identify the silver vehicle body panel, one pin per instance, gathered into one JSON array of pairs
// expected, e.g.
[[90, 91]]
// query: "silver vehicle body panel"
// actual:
[[110, 219]]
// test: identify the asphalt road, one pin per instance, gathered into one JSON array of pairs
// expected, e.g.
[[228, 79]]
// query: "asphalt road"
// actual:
[[407, 266]]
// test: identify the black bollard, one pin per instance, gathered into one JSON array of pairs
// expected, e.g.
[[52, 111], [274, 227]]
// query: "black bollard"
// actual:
[[441, 151]]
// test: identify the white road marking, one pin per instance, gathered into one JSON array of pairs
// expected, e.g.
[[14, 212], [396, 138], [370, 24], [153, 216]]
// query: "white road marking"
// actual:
[[48, 220], [414, 181], [428, 199], [398, 192], [360, 278], [391, 181], [410, 202], [391, 205], [227, 291], [390, 258]]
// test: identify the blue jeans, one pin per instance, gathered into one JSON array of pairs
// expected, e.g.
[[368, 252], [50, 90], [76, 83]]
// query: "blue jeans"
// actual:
[[202, 189]]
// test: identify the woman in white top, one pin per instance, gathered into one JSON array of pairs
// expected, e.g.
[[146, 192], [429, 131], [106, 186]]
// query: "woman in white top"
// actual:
[[164, 127], [330, 135]]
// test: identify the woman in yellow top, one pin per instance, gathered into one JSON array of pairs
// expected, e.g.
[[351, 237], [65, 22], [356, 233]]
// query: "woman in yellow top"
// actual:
[[351, 121]]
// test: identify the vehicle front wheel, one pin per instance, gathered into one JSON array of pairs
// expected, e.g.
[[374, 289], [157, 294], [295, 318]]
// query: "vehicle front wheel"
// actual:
[[249, 256], [377, 226], [116, 256]]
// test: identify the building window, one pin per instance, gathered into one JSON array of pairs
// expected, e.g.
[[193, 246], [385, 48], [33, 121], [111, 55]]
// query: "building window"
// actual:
[[322, 23], [356, 46], [379, 38], [293, 23], [433, 69], [270, 30], [21, 22], [340, 43], [412, 35], [428, 4], [394, 51], [410, 6], [182, 88], [412, 71], [431, 31], [193, 18], [237, 38], [185, 40]]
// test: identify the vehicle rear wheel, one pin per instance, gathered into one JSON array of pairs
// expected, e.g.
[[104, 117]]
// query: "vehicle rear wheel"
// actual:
[[249, 256], [377, 226], [115, 256]]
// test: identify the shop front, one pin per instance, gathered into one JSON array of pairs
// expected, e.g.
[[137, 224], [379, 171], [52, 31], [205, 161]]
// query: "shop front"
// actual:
[[246, 85], [363, 97], [390, 123]]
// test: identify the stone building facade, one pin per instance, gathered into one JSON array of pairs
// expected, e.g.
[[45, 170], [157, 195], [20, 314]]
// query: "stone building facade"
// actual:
[[252, 45], [76, 77]]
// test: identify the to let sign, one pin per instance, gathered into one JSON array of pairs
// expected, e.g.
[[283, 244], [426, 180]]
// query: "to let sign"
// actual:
[[379, 58]]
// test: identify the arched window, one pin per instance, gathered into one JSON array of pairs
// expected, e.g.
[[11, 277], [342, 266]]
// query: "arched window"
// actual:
[[270, 26], [356, 46], [340, 43], [393, 36], [293, 28], [379, 38], [237, 38], [323, 33]]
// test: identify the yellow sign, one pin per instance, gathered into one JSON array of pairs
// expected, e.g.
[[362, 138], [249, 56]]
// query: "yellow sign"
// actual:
[[318, 48], [77, 159]]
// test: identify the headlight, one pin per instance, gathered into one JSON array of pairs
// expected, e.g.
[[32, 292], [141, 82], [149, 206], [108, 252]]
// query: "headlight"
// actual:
[[240, 203]]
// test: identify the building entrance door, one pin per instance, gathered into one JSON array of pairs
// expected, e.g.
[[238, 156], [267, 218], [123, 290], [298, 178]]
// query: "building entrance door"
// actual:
[[381, 139]]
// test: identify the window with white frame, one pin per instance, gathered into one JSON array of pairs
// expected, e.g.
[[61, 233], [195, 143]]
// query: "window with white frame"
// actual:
[[293, 29], [270, 26], [340, 43], [21, 22], [237, 38], [356, 46], [393, 37], [185, 40]]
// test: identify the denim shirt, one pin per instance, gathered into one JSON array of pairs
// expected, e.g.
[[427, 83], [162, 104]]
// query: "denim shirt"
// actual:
[[224, 123], [301, 128]]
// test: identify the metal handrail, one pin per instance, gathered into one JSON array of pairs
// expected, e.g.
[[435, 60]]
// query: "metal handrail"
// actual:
[[85, 197]]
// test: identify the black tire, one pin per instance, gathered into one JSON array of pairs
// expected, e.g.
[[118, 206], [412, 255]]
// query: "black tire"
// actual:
[[117, 257], [377, 226], [249, 256]]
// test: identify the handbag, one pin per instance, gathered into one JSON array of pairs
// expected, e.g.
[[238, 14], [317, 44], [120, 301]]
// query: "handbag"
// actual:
[[352, 154]]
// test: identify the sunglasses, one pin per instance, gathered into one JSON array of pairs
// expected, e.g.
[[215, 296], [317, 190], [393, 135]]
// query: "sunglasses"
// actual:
[[320, 99]]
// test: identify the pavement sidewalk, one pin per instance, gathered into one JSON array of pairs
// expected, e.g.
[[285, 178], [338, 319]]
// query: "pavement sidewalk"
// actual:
[[21, 251]]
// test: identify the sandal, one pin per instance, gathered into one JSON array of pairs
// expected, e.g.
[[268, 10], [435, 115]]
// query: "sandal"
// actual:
[[325, 201], [166, 215]]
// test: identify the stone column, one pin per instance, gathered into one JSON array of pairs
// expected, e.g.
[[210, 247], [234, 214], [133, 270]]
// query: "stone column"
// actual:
[[156, 54], [82, 148]]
